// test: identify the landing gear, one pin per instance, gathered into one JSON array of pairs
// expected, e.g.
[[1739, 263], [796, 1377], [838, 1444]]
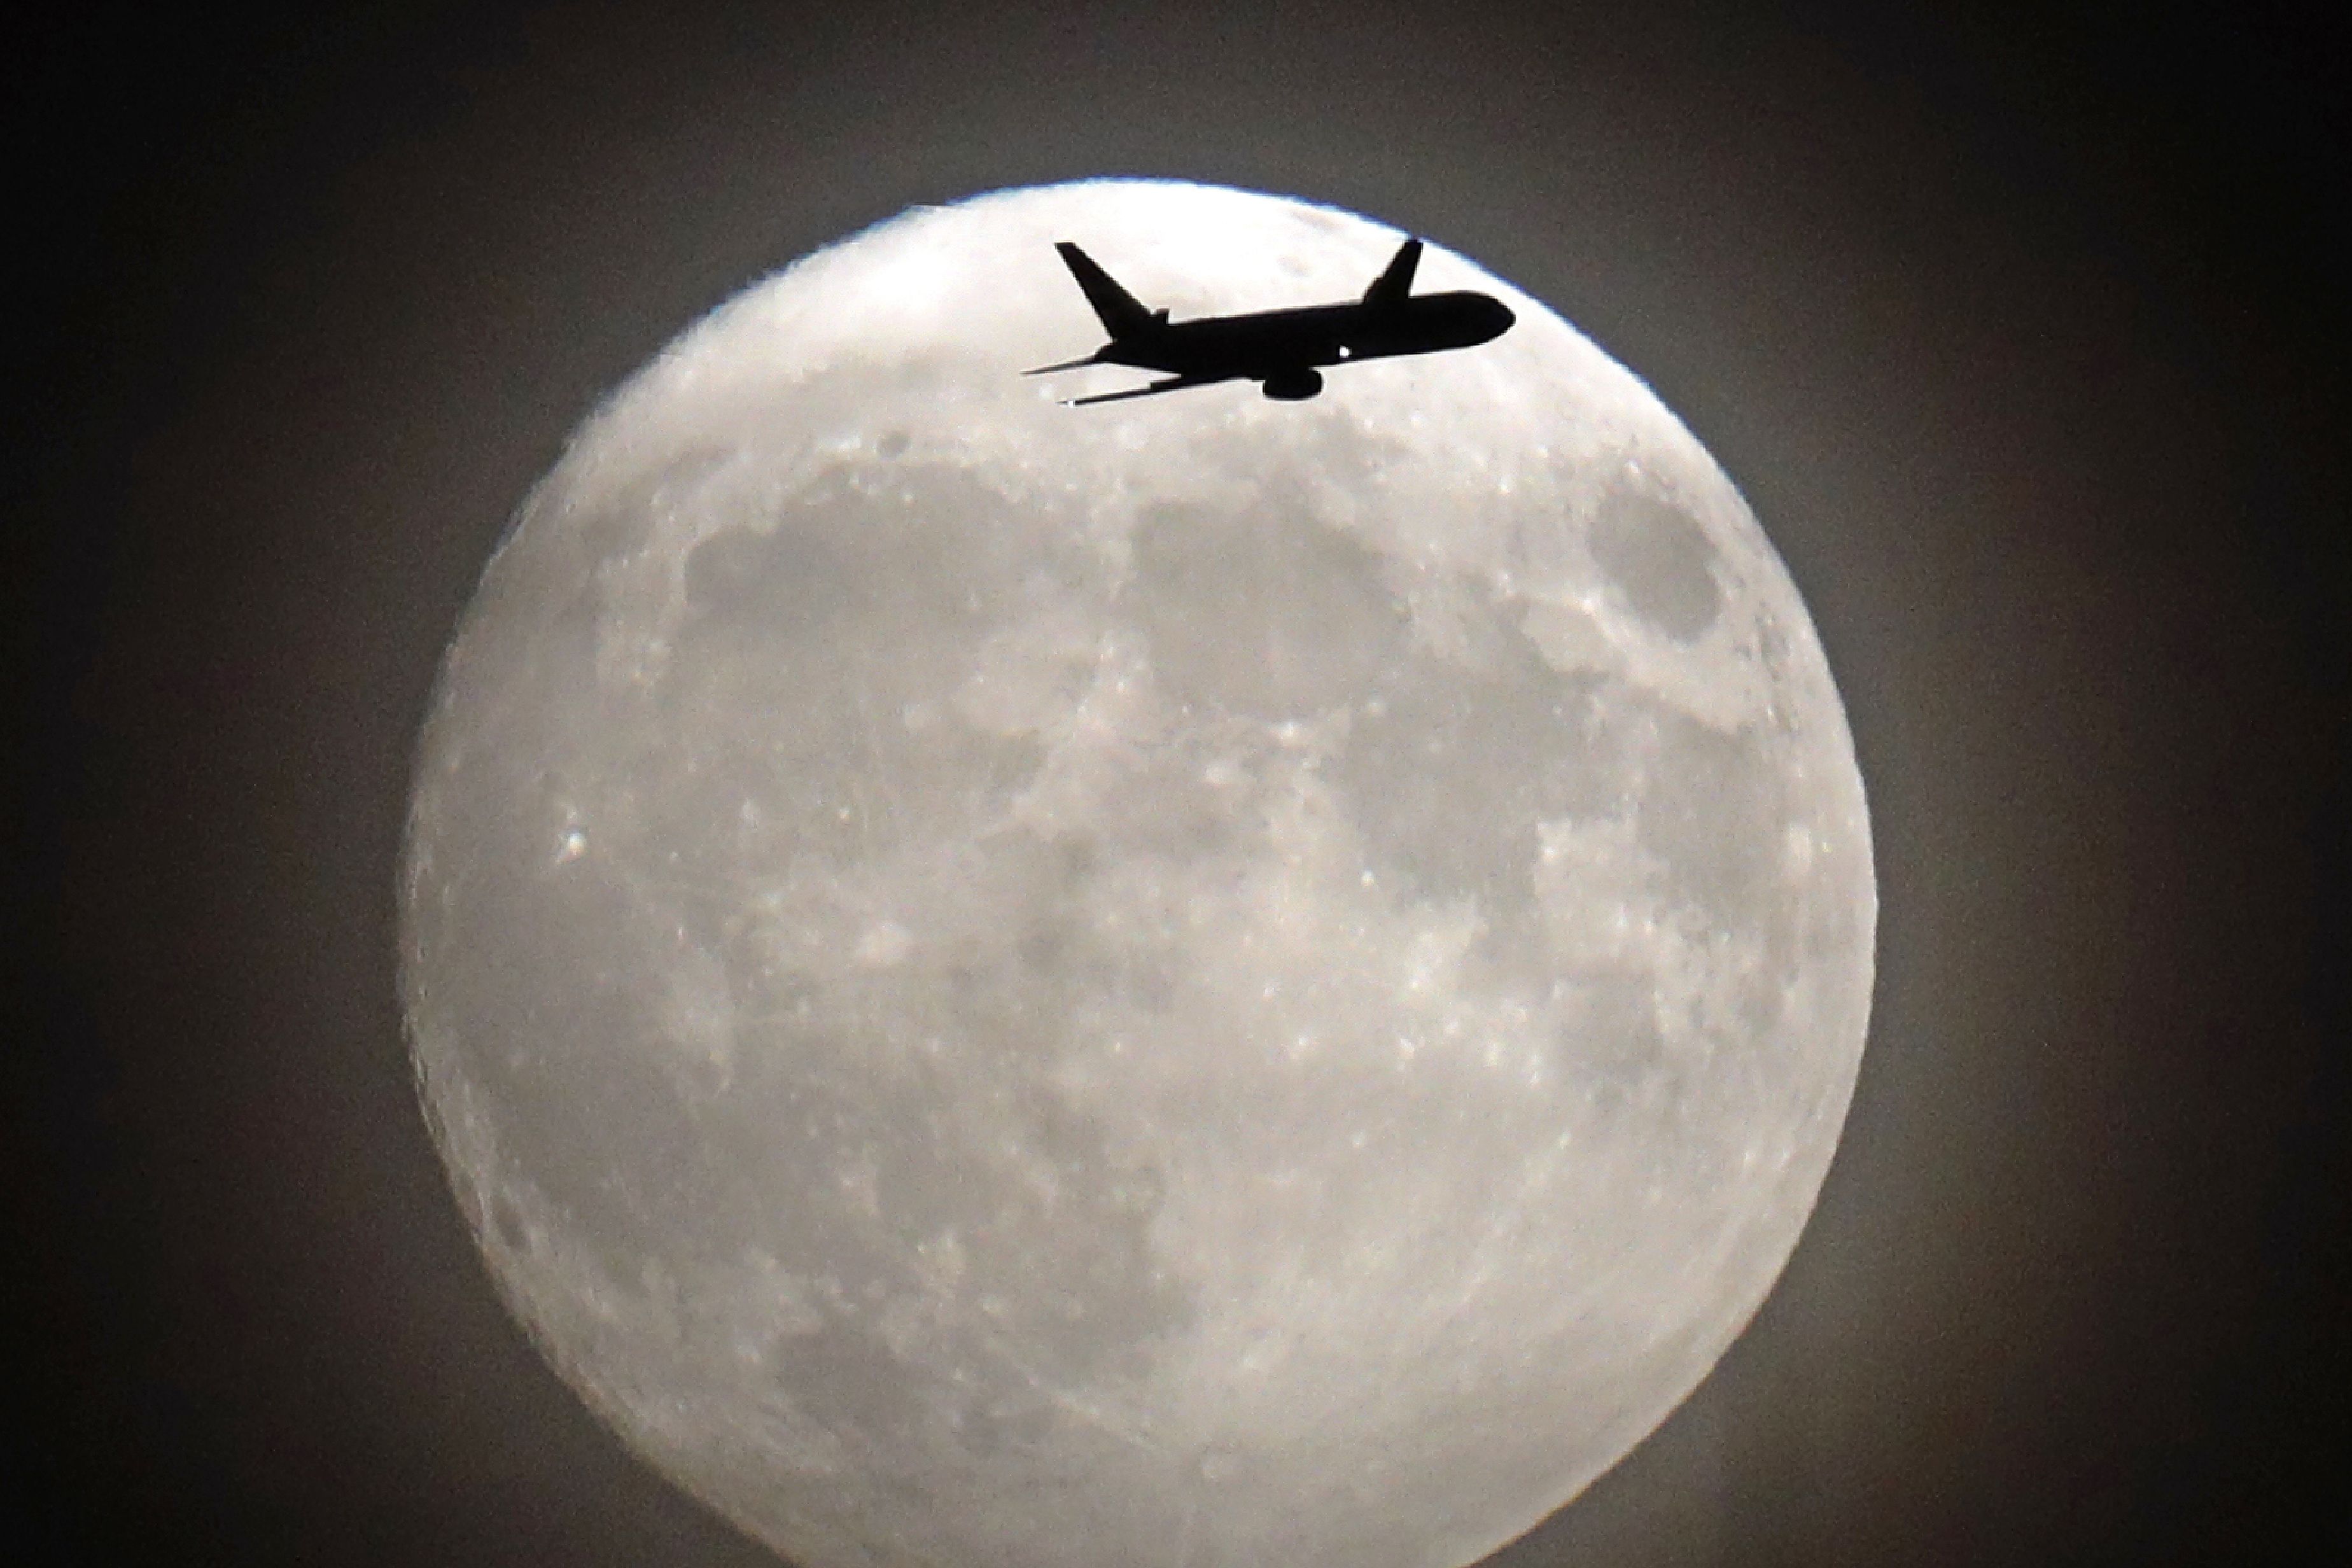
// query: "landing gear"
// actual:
[[1293, 385]]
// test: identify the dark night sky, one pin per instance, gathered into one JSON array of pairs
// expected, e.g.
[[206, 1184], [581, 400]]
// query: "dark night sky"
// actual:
[[2023, 344]]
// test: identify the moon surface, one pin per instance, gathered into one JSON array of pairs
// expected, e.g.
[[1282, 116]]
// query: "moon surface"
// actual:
[[1200, 982]]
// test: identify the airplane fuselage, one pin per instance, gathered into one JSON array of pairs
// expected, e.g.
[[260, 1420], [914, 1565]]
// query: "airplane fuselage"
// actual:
[[1266, 344]]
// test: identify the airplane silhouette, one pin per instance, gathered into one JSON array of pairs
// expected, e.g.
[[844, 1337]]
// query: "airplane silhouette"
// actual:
[[1277, 348]]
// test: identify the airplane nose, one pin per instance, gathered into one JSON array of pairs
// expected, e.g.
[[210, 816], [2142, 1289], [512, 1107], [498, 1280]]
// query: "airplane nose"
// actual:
[[1497, 318]]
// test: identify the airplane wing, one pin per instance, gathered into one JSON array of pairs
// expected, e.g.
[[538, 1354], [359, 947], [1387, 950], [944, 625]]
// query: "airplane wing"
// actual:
[[1174, 384]]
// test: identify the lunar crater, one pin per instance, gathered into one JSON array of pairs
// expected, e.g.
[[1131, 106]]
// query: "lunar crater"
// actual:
[[1658, 557]]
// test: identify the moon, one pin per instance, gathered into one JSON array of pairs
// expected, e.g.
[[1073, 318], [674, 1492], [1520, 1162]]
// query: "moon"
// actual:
[[1199, 982]]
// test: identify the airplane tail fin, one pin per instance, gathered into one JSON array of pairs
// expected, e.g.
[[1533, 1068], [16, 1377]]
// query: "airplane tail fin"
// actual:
[[1123, 315], [1396, 280]]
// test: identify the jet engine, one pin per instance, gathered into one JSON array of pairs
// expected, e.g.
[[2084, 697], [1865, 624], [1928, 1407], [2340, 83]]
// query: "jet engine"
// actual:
[[1293, 385]]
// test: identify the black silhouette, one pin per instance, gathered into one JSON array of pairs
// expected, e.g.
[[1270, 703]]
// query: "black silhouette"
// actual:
[[1280, 350]]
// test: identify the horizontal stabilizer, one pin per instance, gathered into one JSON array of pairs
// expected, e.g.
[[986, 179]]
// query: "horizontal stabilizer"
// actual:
[[1094, 358]]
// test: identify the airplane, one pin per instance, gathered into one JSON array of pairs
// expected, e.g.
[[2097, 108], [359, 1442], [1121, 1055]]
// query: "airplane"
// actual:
[[1279, 350]]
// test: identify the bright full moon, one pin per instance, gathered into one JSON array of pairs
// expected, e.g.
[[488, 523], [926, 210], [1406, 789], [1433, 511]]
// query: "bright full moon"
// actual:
[[1201, 981]]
